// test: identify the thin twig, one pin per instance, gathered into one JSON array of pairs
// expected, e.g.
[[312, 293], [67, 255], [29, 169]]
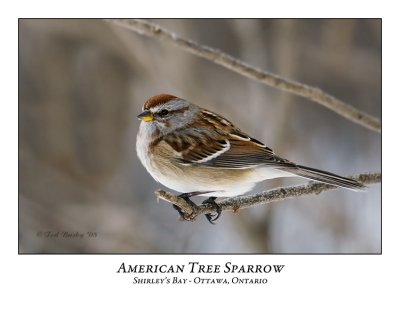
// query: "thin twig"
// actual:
[[214, 55], [241, 202]]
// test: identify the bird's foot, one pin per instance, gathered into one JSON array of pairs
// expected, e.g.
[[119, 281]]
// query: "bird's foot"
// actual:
[[211, 218], [190, 217], [185, 216]]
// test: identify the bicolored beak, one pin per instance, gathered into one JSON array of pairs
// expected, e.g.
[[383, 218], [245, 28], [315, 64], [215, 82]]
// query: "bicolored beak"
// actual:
[[146, 116]]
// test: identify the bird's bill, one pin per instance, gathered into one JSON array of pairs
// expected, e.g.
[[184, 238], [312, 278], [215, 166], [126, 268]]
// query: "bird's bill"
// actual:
[[146, 116]]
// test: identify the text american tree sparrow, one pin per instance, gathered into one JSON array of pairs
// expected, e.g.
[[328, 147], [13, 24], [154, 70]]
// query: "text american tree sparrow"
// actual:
[[195, 151]]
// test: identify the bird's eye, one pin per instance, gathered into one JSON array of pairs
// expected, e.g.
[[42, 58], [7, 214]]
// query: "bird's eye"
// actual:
[[163, 113]]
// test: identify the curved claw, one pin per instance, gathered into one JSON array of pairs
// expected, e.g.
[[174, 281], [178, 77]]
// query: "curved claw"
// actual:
[[181, 213], [218, 210], [211, 200], [186, 197], [210, 218]]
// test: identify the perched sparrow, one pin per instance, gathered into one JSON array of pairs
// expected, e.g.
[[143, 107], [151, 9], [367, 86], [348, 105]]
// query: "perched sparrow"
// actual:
[[192, 150]]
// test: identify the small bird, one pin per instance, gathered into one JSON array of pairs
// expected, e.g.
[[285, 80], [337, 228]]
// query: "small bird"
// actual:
[[195, 151]]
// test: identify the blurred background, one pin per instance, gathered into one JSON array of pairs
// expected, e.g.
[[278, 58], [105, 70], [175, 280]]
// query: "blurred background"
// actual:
[[82, 188]]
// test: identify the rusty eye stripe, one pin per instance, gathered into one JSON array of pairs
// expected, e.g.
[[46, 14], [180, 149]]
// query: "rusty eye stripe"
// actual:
[[171, 112]]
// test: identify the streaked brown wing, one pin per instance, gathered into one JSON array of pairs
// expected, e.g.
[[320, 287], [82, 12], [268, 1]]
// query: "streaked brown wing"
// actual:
[[234, 150], [246, 152], [195, 146]]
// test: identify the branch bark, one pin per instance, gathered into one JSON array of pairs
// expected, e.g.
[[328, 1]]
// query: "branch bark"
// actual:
[[240, 202], [314, 94]]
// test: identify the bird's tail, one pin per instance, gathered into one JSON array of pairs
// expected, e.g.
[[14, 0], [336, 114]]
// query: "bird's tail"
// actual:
[[326, 177]]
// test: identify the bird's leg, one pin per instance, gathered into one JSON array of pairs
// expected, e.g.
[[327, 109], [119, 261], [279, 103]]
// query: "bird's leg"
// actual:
[[218, 210], [181, 213], [186, 197]]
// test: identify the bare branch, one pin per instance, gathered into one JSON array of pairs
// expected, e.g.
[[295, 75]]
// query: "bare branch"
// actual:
[[241, 202], [214, 55]]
